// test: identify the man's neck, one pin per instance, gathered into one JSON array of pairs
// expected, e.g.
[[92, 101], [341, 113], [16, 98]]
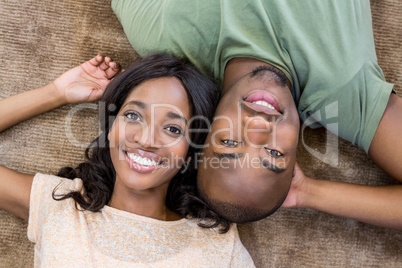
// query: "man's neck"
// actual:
[[236, 68]]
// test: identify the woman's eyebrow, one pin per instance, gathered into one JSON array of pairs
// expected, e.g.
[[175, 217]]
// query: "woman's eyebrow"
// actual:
[[140, 104], [173, 115]]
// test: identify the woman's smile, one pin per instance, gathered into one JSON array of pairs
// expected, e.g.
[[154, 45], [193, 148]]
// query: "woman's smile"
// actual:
[[143, 162]]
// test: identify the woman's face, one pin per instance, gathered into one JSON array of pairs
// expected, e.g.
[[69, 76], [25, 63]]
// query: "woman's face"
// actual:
[[148, 144]]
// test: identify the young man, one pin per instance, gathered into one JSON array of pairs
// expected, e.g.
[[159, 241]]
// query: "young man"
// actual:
[[275, 59]]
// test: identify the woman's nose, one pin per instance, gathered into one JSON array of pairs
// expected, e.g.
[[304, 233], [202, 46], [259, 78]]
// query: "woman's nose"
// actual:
[[257, 130], [147, 137]]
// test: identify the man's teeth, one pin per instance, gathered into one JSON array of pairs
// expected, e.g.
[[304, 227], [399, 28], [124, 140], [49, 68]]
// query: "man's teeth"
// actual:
[[264, 103], [141, 160]]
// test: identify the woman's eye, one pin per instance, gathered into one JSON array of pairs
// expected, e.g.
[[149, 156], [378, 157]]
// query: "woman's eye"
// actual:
[[274, 153], [230, 143], [132, 116], [174, 130]]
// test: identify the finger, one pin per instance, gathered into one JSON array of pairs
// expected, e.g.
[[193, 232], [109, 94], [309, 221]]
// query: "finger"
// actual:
[[97, 60], [103, 66], [298, 172], [295, 168], [108, 60], [113, 70]]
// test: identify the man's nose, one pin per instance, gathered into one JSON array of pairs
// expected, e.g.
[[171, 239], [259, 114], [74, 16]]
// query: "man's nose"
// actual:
[[257, 130]]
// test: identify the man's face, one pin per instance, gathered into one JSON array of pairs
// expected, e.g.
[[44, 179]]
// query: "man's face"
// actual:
[[251, 149]]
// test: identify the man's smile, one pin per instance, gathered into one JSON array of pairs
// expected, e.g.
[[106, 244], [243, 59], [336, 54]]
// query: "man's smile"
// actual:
[[262, 102]]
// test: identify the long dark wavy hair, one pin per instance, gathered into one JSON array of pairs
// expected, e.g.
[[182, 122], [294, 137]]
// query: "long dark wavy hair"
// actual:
[[97, 172]]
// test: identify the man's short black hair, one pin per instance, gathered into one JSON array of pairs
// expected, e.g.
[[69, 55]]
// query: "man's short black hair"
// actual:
[[236, 213], [272, 72]]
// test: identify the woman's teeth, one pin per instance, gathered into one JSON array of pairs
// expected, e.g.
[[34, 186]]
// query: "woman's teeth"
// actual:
[[264, 103], [141, 160]]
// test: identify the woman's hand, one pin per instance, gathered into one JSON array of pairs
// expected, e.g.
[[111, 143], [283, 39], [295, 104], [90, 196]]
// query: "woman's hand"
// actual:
[[86, 82], [83, 83]]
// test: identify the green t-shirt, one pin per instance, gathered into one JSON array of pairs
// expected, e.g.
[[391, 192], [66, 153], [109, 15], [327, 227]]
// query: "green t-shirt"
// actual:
[[325, 47]]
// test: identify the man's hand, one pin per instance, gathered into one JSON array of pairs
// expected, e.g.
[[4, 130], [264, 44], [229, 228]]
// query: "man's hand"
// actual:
[[297, 187]]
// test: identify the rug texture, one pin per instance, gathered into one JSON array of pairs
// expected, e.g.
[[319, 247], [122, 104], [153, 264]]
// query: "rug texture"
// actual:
[[41, 39]]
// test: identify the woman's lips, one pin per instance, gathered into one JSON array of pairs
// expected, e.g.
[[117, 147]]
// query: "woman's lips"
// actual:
[[141, 161]]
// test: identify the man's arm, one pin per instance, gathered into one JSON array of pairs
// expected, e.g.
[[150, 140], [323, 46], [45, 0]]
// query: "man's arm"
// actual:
[[386, 147], [377, 205]]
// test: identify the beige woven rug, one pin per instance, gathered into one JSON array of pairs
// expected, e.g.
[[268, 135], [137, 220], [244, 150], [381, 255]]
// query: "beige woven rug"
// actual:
[[41, 39]]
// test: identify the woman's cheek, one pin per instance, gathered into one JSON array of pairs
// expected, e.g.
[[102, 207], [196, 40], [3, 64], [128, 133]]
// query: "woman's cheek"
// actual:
[[182, 150]]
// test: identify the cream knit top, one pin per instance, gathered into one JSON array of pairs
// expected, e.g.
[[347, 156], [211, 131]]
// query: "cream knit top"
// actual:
[[68, 237]]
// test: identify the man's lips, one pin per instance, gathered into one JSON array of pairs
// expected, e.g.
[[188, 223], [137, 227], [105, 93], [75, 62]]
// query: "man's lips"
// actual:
[[263, 98], [262, 102]]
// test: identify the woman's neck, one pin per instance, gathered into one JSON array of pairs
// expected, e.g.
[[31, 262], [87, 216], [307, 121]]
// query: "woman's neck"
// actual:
[[150, 203]]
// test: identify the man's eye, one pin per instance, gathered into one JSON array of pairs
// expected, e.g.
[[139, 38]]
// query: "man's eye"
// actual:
[[274, 153], [132, 116], [174, 130], [230, 143]]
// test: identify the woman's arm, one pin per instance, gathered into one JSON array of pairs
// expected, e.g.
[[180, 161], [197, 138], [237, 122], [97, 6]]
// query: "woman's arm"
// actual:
[[15, 190], [80, 84], [83, 83], [377, 205], [25, 105]]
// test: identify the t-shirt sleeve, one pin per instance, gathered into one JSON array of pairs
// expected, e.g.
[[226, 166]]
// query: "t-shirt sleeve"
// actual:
[[342, 87], [42, 204], [354, 110], [240, 256]]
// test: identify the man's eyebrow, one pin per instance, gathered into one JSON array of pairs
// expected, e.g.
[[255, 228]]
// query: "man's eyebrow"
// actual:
[[228, 156], [268, 165], [173, 115], [137, 103]]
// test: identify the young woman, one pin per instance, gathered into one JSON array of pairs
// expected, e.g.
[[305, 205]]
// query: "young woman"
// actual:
[[134, 201]]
